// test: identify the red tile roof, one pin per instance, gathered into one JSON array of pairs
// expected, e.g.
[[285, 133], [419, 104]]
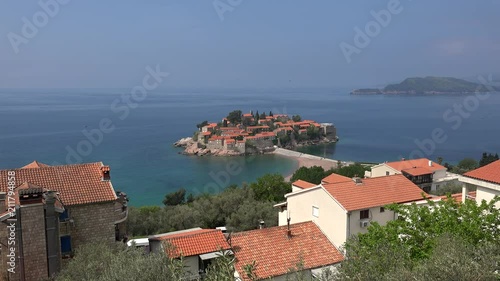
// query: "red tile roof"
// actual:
[[206, 133], [275, 253], [418, 171], [303, 184], [35, 164], [77, 184], [412, 163], [194, 242], [374, 192], [335, 178], [489, 173]]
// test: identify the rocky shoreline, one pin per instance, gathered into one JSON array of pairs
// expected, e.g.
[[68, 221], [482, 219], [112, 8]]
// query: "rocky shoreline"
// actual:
[[192, 147]]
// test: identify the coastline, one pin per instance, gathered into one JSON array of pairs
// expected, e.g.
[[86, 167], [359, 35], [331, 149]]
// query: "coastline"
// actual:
[[306, 160]]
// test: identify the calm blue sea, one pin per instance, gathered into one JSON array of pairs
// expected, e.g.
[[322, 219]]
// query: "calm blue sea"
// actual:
[[43, 124]]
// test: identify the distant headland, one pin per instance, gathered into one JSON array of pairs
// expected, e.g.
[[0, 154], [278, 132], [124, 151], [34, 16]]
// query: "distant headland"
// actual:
[[428, 86], [254, 133]]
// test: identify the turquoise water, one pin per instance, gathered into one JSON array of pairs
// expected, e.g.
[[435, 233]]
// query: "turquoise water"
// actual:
[[42, 124]]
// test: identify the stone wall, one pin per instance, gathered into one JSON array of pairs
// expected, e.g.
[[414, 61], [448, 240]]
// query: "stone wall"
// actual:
[[34, 243]]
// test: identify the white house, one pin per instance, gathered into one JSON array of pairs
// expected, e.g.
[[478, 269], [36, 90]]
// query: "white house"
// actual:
[[197, 246], [486, 180], [272, 252], [423, 172], [343, 209]]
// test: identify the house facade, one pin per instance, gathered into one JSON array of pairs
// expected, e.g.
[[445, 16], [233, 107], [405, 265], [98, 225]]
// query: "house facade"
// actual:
[[423, 172], [56, 209], [342, 209], [485, 179]]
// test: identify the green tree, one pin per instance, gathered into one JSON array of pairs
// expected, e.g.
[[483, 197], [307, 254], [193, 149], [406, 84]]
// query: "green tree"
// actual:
[[487, 159], [313, 132], [312, 174], [439, 160], [296, 118], [105, 262], [271, 113], [234, 117], [355, 170], [175, 198], [263, 115], [465, 165], [448, 188], [202, 124], [270, 187]]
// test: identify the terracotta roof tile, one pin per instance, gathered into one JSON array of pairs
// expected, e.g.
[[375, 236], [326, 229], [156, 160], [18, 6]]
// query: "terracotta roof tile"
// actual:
[[275, 253], [412, 163], [195, 242], [335, 178], [373, 192], [489, 173], [77, 184], [303, 184], [35, 164]]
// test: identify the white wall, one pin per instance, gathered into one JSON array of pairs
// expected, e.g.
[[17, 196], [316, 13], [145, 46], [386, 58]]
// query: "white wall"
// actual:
[[375, 215], [439, 174], [191, 265], [487, 194], [332, 219], [380, 171]]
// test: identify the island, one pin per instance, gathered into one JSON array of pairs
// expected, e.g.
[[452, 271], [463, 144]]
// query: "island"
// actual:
[[428, 86], [254, 133]]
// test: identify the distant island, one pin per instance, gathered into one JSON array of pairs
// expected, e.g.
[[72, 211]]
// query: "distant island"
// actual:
[[428, 86], [253, 133]]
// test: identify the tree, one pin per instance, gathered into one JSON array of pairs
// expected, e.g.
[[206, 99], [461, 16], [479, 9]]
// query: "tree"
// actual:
[[202, 124], [439, 160], [263, 115], [312, 174], [448, 188], [270, 187], [224, 123], [313, 132], [355, 170], [411, 246], [105, 262], [234, 117], [296, 118], [487, 159], [467, 164], [271, 113], [175, 198]]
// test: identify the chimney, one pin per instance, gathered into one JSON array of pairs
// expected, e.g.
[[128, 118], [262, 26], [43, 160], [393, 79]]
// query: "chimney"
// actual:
[[105, 173], [402, 159], [261, 224], [288, 230], [52, 234], [357, 180], [430, 163]]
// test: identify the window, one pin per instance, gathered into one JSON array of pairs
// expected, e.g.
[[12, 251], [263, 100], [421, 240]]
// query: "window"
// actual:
[[364, 214], [382, 209], [64, 216], [386, 173], [315, 211]]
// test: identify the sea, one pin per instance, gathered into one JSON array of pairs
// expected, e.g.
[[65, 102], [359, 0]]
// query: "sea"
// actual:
[[67, 126]]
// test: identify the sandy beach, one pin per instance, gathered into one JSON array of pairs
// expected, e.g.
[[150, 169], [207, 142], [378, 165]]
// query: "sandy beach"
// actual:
[[306, 160]]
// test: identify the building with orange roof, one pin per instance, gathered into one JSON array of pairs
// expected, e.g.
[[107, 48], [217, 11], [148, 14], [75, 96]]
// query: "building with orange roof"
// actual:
[[56, 209], [274, 251], [335, 178], [485, 179], [343, 208], [300, 185], [423, 172], [198, 247]]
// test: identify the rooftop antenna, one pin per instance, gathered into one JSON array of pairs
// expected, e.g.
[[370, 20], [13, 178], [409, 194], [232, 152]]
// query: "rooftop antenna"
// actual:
[[288, 230]]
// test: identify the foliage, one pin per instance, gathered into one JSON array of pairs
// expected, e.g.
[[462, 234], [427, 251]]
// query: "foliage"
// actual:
[[234, 117], [465, 165], [296, 118], [221, 269], [451, 259], [235, 207], [355, 170], [487, 159], [105, 262], [175, 198], [202, 124], [448, 188], [414, 240], [270, 187], [312, 174], [313, 132]]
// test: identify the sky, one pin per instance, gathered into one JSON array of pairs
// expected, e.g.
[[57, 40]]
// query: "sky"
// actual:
[[244, 43]]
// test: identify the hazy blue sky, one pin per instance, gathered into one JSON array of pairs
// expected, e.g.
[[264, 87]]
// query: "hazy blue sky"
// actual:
[[261, 43]]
